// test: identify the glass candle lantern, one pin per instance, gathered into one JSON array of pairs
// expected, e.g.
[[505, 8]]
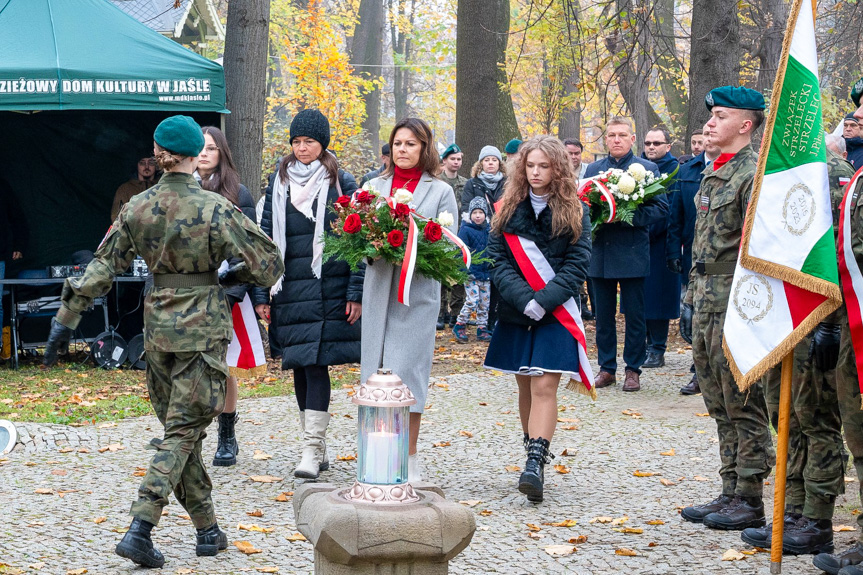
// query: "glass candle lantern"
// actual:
[[382, 445]]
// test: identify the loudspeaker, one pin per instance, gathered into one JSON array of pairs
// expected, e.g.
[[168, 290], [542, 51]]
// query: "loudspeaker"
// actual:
[[33, 327]]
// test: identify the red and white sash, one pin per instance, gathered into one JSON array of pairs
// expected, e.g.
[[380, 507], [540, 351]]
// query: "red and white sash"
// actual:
[[852, 278], [246, 350], [538, 272]]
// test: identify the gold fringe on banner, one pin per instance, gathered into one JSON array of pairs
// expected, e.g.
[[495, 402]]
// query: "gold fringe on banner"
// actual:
[[247, 373], [580, 388]]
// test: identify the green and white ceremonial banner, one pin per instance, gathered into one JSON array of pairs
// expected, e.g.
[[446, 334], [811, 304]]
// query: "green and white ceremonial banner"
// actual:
[[787, 278]]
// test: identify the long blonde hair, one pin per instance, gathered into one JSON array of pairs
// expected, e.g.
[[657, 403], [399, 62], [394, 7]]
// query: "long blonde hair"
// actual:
[[566, 211]]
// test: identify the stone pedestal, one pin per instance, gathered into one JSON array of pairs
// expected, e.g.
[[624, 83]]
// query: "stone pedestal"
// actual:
[[370, 539]]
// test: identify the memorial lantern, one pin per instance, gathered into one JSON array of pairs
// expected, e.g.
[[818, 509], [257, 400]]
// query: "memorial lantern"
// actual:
[[382, 444]]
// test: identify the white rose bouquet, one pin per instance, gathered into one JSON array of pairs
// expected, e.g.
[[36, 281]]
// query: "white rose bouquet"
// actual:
[[614, 195]]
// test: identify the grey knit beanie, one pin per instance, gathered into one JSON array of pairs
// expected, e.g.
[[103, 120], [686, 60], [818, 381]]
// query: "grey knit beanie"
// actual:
[[311, 124], [477, 203], [490, 151]]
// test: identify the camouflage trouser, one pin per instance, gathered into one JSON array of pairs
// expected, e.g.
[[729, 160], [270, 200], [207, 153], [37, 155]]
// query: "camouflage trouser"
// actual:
[[816, 454], [187, 391], [848, 391], [745, 446]]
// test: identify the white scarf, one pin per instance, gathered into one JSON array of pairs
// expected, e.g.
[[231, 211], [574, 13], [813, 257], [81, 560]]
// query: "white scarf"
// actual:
[[305, 183]]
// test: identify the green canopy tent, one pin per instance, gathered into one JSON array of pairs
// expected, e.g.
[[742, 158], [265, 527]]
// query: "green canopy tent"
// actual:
[[82, 86]]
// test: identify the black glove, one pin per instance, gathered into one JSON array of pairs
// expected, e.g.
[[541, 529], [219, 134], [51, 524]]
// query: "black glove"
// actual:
[[228, 277], [686, 323], [674, 265], [58, 342], [824, 348]]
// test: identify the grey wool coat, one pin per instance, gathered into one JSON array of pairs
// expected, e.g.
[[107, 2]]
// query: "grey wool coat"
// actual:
[[395, 336]]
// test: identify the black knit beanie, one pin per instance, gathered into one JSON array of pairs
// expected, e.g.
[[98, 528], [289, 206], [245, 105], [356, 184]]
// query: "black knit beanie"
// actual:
[[311, 124]]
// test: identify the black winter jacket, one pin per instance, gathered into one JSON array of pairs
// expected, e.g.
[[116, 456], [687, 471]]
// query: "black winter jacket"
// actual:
[[474, 188], [568, 260], [308, 315]]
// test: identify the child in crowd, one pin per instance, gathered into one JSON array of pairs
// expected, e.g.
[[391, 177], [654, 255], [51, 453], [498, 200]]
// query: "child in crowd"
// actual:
[[474, 232], [541, 219]]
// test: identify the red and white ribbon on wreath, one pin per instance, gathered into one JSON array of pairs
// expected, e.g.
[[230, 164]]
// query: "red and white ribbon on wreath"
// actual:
[[852, 278], [409, 263], [603, 189], [538, 272]]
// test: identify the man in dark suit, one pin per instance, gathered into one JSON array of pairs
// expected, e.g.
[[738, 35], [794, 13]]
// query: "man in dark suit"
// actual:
[[681, 224], [621, 256]]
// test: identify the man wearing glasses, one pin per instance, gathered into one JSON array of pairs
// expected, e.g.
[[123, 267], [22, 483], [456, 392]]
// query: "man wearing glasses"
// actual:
[[145, 179]]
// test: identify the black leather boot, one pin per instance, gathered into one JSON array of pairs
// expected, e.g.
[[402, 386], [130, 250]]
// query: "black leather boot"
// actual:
[[526, 440], [137, 546], [654, 359], [441, 322], [741, 513], [226, 452], [210, 540], [845, 561], [809, 537], [532, 478], [762, 536], [697, 513], [586, 314], [691, 388]]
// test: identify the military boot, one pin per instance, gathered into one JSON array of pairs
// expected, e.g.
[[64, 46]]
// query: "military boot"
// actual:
[[137, 545], [847, 561], [210, 540], [532, 478], [762, 536], [697, 513], [227, 450], [741, 513], [809, 537]]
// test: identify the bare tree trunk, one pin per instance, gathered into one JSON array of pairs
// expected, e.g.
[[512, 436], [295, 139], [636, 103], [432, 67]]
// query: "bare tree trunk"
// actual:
[[367, 58], [770, 18], [401, 13], [668, 65], [569, 122], [484, 112], [714, 58], [245, 61]]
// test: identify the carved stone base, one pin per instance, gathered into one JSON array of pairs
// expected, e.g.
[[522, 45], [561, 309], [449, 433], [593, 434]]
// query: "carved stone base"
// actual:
[[381, 494], [364, 538]]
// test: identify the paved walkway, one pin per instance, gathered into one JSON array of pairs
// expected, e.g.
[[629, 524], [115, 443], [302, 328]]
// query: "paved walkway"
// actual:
[[65, 498]]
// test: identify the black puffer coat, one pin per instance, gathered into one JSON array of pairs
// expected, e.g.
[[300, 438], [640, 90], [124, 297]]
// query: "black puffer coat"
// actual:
[[308, 314], [474, 188], [568, 260]]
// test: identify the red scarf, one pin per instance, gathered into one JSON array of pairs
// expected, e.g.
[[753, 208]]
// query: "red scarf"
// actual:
[[721, 161], [407, 179]]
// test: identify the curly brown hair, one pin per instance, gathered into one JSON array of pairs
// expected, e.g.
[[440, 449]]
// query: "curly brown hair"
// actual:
[[566, 210]]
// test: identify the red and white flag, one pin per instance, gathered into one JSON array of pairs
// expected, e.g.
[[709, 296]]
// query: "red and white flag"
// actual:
[[852, 277], [246, 350]]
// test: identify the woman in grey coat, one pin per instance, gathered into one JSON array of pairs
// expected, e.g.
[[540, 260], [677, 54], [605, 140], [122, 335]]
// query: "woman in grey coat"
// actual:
[[396, 336]]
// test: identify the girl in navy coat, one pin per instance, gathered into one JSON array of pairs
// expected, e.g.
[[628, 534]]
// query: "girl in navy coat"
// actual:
[[540, 204]]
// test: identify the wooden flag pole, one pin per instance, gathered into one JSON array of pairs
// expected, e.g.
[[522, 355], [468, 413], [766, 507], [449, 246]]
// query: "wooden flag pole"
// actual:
[[781, 464]]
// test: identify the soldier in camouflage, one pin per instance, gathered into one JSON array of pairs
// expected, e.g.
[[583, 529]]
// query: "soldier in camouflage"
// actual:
[[745, 445], [816, 466], [850, 561], [184, 234]]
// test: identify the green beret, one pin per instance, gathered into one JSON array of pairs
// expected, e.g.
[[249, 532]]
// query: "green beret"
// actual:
[[734, 97], [181, 135], [512, 146], [452, 149], [856, 91]]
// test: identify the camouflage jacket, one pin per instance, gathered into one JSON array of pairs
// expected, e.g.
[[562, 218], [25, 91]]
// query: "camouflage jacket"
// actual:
[[177, 228], [720, 207], [457, 184], [839, 169]]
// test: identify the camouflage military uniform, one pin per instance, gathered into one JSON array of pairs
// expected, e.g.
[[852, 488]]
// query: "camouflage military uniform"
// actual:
[[184, 234], [850, 401], [815, 450], [452, 297], [745, 445]]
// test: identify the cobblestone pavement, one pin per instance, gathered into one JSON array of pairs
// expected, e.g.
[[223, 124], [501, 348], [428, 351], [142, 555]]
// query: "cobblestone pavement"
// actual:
[[88, 477]]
